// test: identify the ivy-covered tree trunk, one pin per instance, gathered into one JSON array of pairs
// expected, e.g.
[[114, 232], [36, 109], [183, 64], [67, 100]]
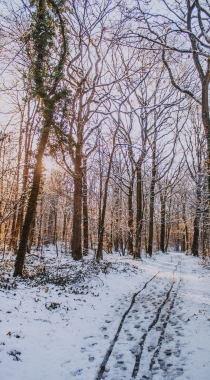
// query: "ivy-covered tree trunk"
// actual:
[[46, 25]]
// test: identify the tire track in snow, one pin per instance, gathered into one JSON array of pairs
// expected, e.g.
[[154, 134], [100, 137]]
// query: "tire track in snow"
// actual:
[[110, 349], [153, 323], [102, 368], [142, 341], [164, 326], [162, 334]]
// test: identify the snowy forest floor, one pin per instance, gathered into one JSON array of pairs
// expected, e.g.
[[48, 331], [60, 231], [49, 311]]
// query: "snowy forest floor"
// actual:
[[122, 319]]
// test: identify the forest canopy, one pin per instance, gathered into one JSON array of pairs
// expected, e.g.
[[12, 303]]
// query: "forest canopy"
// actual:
[[105, 127]]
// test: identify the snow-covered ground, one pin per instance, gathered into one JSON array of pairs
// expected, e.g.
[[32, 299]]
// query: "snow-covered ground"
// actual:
[[126, 319]]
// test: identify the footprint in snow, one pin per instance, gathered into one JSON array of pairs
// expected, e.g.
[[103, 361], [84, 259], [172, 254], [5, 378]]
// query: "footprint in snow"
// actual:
[[64, 364], [78, 372]]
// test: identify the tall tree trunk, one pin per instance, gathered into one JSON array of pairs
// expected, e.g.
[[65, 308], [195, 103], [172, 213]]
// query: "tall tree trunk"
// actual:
[[206, 118], [13, 240], [40, 212], [55, 234], [205, 233], [158, 236], [64, 226], [76, 243], [162, 222], [168, 229], [40, 58], [151, 218], [152, 199], [100, 205], [116, 225], [2, 156], [185, 238], [85, 209], [50, 224], [31, 235], [195, 235], [32, 201], [99, 254], [167, 237], [196, 230], [139, 209], [130, 218], [111, 234], [20, 216], [183, 243], [177, 234]]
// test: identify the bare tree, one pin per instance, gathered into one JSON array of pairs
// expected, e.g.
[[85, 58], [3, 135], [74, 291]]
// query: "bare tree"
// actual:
[[181, 34], [194, 146]]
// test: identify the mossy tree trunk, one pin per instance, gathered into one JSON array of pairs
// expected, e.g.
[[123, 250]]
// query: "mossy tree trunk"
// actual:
[[47, 25]]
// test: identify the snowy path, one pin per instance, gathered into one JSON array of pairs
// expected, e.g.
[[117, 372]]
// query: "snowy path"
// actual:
[[142, 320], [145, 325]]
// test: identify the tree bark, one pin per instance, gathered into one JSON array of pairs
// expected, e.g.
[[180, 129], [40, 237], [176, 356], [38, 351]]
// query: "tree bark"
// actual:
[[55, 234], [64, 226], [196, 231], [130, 218], [185, 244], [50, 224], [40, 57], [195, 236], [32, 201], [76, 244], [13, 240], [99, 254], [205, 233], [152, 200], [162, 222], [117, 219], [206, 118], [139, 211], [85, 210], [151, 218]]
